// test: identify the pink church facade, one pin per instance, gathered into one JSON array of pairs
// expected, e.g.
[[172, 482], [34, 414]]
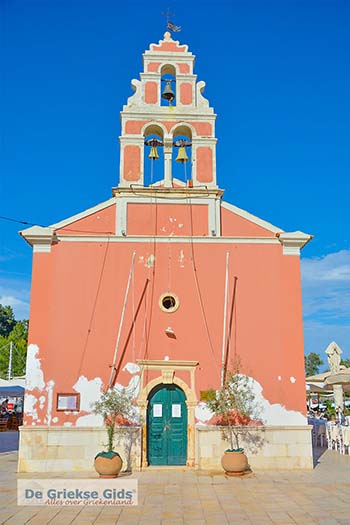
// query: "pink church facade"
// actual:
[[155, 289]]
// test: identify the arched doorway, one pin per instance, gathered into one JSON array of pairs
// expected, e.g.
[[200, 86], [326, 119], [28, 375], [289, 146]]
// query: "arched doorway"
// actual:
[[167, 426]]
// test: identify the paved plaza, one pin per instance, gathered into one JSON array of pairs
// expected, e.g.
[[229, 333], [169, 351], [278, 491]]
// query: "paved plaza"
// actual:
[[182, 496]]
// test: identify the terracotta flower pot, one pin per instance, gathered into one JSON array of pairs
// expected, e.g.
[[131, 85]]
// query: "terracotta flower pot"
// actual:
[[108, 464], [234, 463]]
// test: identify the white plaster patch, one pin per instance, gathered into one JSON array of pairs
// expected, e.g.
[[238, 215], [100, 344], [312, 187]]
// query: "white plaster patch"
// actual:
[[292, 379], [133, 388], [49, 390], [42, 400], [34, 374], [279, 378], [132, 368], [90, 420], [275, 414], [180, 225], [29, 406], [90, 392], [181, 258], [166, 358], [54, 419], [150, 261], [67, 424], [202, 412]]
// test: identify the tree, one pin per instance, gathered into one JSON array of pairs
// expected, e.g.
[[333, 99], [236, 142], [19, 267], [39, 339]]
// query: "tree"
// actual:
[[345, 362], [234, 406], [312, 364], [16, 338], [7, 320], [19, 338], [116, 407]]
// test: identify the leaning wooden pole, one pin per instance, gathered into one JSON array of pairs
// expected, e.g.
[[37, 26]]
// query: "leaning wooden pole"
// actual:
[[230, 327], [117, 367], [121, 321], [225, 323]]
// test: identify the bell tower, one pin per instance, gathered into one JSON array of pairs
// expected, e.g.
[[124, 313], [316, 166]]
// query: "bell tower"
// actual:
[[168, 112]]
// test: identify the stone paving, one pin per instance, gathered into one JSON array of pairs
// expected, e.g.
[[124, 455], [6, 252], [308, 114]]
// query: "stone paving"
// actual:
[[180, 496]]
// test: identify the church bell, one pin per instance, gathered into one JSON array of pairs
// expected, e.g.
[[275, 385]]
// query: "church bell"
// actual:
[[153, 153], [182, 155], [168, 93]]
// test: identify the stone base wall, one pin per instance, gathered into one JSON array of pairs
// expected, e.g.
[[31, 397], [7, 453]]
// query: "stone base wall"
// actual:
[[282, 447], [60, 449]]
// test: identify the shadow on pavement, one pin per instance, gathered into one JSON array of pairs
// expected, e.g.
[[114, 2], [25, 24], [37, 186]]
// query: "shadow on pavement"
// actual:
[[9, 441], [317, 453]]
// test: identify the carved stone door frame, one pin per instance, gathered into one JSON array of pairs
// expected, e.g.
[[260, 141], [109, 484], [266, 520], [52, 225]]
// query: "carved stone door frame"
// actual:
[[167, 375]]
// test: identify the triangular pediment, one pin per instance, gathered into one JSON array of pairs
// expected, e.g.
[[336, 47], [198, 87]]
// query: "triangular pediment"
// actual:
[[239, 222], [99, 219]]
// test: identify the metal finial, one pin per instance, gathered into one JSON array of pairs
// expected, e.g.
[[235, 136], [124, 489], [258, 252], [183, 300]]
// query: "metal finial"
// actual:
[[169, 25]]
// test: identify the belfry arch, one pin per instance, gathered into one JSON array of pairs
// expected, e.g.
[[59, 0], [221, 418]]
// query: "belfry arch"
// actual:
[[153, 134], [168, 84], [182, 134]]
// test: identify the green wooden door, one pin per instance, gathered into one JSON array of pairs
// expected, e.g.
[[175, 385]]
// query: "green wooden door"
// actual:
[[167, 426]]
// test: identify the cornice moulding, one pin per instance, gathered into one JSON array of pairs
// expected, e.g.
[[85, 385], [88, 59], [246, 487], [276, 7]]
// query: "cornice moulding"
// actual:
[[163, 363], [293, 242], [204, 239], [154, 111], [163, 56], [166, 193], [39, 237]]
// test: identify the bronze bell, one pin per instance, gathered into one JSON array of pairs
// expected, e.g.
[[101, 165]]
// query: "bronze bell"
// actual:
[[182, 155], [153, 153], [168, 93]]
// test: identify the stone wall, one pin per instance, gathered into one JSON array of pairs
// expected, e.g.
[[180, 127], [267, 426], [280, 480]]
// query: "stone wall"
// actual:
[[280, 447], [58, 449]]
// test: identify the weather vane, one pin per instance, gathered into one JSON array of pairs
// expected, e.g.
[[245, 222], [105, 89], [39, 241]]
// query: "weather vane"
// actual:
[[169, 25]]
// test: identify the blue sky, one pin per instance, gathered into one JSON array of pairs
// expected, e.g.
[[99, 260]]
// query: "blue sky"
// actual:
[[278, 77]]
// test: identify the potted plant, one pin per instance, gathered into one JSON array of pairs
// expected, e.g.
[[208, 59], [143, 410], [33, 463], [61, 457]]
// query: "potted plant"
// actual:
[[235, 408], [116, 408]]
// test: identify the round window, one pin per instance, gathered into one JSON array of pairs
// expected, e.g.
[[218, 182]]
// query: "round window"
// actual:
[[168, 302]]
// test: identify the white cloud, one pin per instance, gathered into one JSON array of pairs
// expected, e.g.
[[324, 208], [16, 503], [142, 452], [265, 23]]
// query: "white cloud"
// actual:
[[317, 337], [15, 293], [334, 267], [8, 300], [326, 287], [326, 301]]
